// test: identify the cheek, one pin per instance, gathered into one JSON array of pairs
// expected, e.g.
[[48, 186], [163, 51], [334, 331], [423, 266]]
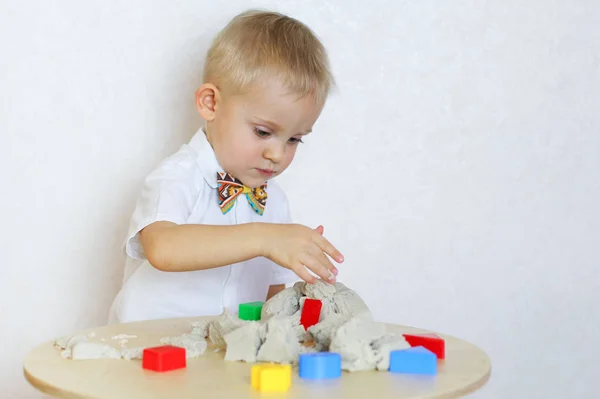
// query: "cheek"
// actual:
[[246, 148], [289, 155]]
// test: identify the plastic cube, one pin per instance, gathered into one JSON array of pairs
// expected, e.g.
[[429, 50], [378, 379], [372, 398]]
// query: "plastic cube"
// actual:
[[163, 358], [320, 366], [250, 310], [433, 342], [271, 377], [417, 360], [310, 312]]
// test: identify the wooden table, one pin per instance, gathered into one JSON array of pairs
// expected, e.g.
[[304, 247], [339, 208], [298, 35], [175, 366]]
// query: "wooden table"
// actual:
[[465, 369]]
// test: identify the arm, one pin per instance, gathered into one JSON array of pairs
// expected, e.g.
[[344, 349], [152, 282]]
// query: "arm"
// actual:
[[177, 248]]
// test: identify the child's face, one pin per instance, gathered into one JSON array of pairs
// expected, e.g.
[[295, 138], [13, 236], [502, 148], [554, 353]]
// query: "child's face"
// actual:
[[255, 135]]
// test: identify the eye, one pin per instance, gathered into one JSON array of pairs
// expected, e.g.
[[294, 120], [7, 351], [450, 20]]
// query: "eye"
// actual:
[[295, 140], [261, 133]]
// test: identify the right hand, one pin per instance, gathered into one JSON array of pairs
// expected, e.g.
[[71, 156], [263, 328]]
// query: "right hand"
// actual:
[[297, 247]]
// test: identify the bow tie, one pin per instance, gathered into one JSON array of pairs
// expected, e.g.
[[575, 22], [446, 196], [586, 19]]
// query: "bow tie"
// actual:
[[230, 188]]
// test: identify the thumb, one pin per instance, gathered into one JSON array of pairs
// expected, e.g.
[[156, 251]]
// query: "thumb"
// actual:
[[320, 229]]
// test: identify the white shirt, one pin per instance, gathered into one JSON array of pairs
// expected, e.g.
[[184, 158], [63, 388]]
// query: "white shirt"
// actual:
[[183, 190]]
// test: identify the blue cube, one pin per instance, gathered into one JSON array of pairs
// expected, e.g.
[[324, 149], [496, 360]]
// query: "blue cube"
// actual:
[[416, 360], [320, 366]]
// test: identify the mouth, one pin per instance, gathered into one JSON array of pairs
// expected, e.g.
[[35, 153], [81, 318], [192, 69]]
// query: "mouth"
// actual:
[[266, 172]]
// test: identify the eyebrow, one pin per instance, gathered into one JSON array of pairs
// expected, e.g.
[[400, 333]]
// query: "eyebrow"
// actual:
[[275, 126]]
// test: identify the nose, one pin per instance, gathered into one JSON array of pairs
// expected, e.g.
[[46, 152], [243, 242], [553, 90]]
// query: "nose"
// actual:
[[274, 152]]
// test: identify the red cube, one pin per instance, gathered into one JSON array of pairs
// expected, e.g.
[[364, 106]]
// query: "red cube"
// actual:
[[163, 358], [310, 312], [432, 342]]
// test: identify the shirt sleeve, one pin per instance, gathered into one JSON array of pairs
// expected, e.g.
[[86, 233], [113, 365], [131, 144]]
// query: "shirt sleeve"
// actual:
[[279, 274], [169, 194]]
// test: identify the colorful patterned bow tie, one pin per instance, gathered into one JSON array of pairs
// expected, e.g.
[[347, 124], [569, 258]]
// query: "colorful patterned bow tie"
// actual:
[[230, 188]]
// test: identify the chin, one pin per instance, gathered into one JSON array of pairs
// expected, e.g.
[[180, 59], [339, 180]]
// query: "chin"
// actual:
[[252, 182], [258, 183]]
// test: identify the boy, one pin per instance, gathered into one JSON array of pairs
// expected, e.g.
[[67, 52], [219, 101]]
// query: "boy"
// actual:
[[210, 230]]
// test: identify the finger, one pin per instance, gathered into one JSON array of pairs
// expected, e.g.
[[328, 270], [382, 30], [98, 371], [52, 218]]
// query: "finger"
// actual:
[[320, 229], [304, 274], [327, 263], [324, 260], [316, 267], [329, 249]]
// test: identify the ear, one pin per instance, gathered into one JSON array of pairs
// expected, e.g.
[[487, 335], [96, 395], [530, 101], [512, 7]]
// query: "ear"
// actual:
[[207, 97]]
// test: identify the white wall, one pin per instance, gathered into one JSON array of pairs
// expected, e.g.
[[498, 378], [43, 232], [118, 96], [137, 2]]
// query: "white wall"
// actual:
[[462, 147]]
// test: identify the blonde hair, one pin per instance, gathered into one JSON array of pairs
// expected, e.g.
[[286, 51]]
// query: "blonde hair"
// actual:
[[258, 44]]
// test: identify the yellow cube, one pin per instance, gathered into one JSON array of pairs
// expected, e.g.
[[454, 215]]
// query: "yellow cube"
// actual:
[[271, 377]]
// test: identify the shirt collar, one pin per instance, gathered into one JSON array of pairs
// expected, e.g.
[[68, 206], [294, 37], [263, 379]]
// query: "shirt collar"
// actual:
[[205, 157]]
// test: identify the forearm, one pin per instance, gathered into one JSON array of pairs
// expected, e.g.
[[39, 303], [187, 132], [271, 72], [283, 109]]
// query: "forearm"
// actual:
[[178, 248]]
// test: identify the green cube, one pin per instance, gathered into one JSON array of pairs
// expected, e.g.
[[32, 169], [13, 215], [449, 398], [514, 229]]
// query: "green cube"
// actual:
[[250, 310]]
